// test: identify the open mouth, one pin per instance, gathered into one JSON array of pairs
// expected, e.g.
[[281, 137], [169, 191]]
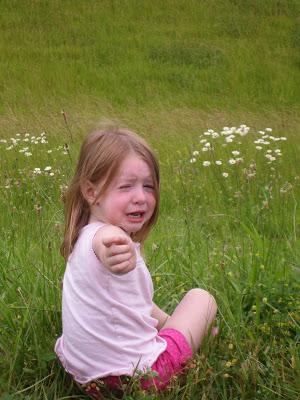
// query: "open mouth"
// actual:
[[136, 214]]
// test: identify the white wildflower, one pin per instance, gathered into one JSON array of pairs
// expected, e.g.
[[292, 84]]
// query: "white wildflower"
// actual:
[[225, 174], [268, 129], [242, 130], [218, 162], [28, 154], [270, 157], [26, 135], [206, 163], [37, 171], [205, 149], [51, 174], [47, 168], [227, 131], [283, 138], [215, 135], [232, 161], [207, 133], [269, 151], [258, 147], [49, 151], [203, 140], [192, 160], [235, 152], [207, 144]]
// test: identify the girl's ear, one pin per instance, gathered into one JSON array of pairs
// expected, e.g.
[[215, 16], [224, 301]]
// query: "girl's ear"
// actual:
[[89, 192]]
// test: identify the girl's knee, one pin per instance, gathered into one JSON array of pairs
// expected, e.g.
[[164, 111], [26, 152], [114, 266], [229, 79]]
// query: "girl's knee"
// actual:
[[203, 297]]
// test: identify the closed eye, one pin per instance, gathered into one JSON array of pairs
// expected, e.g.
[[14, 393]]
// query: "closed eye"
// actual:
[[125, 187]]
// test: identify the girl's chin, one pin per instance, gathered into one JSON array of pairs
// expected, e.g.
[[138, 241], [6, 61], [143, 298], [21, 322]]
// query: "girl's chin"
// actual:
[[131, 228]]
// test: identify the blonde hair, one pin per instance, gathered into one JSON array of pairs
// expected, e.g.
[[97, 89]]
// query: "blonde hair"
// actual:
[[101, 155]]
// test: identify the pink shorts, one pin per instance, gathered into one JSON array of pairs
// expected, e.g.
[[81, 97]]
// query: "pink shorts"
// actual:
[[169, 364]]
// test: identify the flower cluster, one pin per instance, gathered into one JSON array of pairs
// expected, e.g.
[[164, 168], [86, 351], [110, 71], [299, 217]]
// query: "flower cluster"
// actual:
[[46, 170], [229, 148], [44, 153], [26, 144], [26, 138]]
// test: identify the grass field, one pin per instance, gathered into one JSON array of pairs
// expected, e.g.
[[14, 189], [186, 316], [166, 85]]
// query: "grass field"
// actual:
[[179, 73]]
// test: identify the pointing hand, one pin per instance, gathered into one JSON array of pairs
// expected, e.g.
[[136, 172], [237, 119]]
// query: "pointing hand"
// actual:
[[118, 254]]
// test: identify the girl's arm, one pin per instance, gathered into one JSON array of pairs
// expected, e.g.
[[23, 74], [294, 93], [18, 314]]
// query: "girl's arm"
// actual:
[[160, 315]]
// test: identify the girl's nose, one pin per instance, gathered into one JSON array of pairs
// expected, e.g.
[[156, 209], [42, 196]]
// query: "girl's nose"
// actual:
[[139, 195]]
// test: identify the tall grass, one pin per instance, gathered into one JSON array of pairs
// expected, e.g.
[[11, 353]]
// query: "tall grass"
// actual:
[[235, 236]]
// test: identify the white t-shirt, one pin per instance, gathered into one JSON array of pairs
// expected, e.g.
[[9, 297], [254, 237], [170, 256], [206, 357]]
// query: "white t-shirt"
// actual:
[[107, 323]]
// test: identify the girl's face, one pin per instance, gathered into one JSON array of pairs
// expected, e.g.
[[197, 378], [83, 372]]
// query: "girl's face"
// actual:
[[129, 201]]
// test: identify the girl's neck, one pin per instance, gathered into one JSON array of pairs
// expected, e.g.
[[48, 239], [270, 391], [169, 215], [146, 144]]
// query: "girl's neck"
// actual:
[[93, 218]]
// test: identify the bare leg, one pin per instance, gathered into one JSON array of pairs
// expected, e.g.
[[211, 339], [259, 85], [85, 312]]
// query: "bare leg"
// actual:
[[193, 316]]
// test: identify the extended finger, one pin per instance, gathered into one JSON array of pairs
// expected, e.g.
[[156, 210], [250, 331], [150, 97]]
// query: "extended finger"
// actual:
[[119, 258], [115, 240], [117, 249], [129, 268], [121, 268]]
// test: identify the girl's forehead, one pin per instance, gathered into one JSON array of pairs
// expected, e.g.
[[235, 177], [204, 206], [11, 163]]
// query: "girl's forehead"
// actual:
[[134, 166]]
